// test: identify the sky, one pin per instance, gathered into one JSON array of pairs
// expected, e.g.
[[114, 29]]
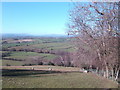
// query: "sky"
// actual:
[[35, 17]]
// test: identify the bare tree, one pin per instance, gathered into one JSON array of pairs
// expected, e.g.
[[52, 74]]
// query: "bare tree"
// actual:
[[94, 27]]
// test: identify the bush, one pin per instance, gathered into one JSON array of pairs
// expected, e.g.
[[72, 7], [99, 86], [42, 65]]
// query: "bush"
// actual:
[[8, 65], [50, 63], [28, 64], [85, 66], [6, 54], [40, 63]]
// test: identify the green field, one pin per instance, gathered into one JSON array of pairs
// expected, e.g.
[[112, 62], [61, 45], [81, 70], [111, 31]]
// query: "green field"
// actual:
[[40, 41], [12, 63], [53, 79], [25, 55], [63, 46]]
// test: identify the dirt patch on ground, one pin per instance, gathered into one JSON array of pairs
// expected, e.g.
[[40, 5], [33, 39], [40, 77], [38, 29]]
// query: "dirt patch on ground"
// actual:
[[25, 40]]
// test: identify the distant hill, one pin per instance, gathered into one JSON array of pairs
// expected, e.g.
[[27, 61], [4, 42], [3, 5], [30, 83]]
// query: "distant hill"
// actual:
[[30, 35], [15, 35], [53, 35]]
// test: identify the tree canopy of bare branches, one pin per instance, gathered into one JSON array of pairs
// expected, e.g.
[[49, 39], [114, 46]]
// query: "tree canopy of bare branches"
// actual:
[[94, 27]]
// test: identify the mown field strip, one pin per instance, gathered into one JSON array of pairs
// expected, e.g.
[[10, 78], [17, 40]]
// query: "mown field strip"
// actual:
[[42, 67]]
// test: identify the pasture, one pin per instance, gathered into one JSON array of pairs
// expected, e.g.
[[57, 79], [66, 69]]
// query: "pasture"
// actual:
[[14, 50], [25, 55], [25, 77]]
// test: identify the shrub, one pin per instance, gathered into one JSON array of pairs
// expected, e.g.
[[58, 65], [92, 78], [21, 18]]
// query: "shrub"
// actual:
[[8, 65], [40, 63], [50, 63]]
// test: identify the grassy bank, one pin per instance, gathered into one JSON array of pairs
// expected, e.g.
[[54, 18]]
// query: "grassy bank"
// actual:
[[21, 78]]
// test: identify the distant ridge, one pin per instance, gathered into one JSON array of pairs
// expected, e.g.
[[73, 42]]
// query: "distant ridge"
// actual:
[[52, 35], [7, 35]]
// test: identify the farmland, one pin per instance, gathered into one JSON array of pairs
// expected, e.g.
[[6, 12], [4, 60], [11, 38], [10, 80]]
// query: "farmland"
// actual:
[[33, 51], [60, 45], [20, 56]]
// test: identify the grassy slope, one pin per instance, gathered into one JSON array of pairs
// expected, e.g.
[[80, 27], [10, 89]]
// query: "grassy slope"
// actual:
[[64, 46], [12, 63], [56, 80], [25, 55]]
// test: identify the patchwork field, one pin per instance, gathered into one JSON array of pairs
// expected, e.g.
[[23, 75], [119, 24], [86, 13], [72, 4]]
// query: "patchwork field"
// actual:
[[33, 51], [44, 63]]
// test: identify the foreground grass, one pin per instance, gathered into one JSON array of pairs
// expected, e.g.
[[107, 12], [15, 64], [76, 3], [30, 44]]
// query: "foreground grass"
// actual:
[[53, 79]]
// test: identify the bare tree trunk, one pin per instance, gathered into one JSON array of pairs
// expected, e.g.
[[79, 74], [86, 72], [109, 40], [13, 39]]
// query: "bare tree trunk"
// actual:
[[99, 56], [97, 70], [104, 74], [117, 75], [112, 71], [107, 72]]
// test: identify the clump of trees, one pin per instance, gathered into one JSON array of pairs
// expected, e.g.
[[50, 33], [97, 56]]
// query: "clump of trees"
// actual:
[[94, 30], [63, 59], [6, 54]]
